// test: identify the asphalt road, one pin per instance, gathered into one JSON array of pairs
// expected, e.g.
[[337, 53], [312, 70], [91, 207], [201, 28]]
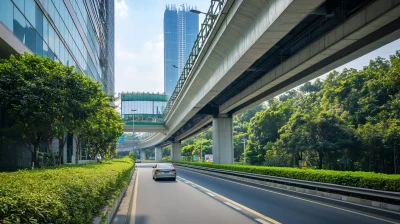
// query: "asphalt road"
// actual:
[[199, 198], [178, 202], [280, 207]]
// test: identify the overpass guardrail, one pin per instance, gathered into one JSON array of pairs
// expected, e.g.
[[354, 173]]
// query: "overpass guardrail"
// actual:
[[205, 31], [376, 195]]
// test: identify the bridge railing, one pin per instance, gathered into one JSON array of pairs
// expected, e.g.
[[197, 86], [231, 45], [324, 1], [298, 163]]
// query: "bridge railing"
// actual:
[[204, 33]]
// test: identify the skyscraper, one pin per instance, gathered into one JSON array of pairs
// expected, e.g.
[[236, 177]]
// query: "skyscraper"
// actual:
[[75, 32], [180, 31]]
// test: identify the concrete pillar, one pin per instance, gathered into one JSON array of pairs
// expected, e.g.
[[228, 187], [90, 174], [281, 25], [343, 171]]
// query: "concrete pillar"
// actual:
[[158, 154], [176, 151], [74, 148], [142, 154], [222, 146]]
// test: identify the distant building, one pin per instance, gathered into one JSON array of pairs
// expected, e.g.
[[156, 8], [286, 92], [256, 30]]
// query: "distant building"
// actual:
[[149, 106], [180, 32], [75, 32]]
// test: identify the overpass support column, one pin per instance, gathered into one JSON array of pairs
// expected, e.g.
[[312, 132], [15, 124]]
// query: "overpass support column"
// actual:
[[142, 154], [222, 135], [158, 154], [176, 151]]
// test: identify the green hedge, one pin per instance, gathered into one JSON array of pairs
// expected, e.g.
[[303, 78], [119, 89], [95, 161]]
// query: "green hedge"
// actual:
[[376, 181], [67, 194]]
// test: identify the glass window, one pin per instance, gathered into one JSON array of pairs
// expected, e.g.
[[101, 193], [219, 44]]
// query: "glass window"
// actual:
[[51, 37], [38, 20], [45, 49], [30, 36], [45, 29], [57, 46], [20, 4], [62, 52], [51, 10], [39, 45], [6, 14], [57, 20], [50, 54], [19, 25], [30, 10]]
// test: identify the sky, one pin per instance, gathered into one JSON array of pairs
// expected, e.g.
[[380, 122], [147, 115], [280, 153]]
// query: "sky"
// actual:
[[139, 47]]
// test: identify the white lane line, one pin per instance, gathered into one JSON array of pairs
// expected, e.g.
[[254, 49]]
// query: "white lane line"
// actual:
[[232, 205], [212, 195], [262, 221]]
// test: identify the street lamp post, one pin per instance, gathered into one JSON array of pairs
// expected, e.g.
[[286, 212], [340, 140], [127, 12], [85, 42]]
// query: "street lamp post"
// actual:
[[244, 149], [201, 149], [133, 129]]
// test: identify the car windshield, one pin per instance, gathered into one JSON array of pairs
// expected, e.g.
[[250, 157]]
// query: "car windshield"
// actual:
[[165, 165]]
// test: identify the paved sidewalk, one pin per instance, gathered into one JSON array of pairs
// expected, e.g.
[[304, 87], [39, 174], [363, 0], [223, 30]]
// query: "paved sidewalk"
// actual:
[[122, 215]]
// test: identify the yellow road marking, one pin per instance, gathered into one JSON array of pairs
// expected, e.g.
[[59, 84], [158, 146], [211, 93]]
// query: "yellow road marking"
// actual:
[[238, 205], [319, 203], [134, 202]]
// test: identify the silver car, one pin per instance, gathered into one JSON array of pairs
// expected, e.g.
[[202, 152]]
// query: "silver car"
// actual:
[[164, 171]]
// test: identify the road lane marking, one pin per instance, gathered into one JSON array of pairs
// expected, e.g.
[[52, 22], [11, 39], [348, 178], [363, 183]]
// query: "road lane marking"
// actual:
[[262, 221], [257, 214], [311, 201], [211, 194], [132, 218], [233, 206]]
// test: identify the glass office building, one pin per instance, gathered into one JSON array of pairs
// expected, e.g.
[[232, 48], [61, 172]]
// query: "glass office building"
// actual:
[[180, 32], [77, 33], [149, 106]]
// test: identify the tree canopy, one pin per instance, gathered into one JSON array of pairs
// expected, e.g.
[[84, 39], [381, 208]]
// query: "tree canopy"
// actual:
[[47, 100]]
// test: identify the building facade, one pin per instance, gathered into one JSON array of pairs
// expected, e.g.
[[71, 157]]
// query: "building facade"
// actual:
[[75, 32], [180, 32]]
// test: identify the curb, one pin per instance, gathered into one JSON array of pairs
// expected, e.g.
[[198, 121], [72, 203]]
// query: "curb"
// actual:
[[110, 213]]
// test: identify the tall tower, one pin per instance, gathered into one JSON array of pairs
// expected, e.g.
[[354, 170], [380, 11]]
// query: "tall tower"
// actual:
[[180, 31]]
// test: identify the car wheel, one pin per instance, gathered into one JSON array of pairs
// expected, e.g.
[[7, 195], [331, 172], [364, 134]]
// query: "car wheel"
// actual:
[[174, 179]]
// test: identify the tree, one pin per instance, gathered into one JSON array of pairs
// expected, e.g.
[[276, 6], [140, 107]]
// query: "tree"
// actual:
[[31, 89]]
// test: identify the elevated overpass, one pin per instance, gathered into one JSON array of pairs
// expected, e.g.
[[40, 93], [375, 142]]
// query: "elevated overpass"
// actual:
[[255, 50]]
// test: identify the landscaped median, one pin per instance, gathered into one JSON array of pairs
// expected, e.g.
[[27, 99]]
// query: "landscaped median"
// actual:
[[369, 180], [66, 194]]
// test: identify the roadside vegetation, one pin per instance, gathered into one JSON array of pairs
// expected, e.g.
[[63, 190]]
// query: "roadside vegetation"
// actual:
[[66, 194], [44, 100], [349, 122], [377, 181]]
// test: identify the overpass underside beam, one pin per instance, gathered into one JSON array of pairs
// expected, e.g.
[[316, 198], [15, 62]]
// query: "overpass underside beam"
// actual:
[[176, 151], [222, 145]]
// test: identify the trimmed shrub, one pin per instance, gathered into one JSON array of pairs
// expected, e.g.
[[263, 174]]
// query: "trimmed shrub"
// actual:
[[66, 194], [377, 181]]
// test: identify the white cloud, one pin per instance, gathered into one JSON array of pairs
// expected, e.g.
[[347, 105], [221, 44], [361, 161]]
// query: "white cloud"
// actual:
[[121, 8], [141, 70]]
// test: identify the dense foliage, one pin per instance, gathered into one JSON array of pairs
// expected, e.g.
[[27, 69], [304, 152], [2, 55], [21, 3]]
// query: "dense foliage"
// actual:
[[349, 121], [355, 179], [45, 100], [67, 194]]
